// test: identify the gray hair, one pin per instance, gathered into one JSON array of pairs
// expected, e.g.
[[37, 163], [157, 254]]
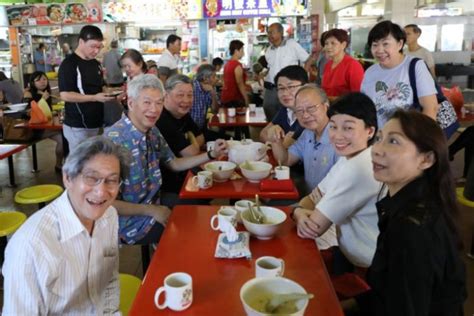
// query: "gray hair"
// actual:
[[315, 88], [91, 147], [174, 80], [204, 72], [141, 82]]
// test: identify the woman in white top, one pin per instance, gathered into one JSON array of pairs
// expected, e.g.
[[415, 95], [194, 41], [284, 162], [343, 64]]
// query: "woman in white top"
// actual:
[[387, 83], [346, 196]]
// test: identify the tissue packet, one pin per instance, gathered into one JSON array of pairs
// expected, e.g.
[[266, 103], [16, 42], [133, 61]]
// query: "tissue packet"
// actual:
[[236, 249]]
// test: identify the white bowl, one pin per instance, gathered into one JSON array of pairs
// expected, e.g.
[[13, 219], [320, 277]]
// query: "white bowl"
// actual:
[[256, 292], [18, 107], [221, 170], [273, 220], [255, 171]]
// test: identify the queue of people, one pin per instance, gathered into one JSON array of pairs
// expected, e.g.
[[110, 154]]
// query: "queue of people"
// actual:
[[376, 172]]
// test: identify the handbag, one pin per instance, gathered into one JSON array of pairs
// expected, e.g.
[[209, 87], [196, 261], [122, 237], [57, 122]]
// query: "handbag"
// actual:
[[12, 134], [446, 117]]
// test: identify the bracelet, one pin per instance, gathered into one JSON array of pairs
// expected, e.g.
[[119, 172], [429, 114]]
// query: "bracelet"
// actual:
[[209, 155]]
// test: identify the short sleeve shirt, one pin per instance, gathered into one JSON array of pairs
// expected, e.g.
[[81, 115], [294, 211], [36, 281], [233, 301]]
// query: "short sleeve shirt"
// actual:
[[174, 131], [143, 183], [344, 78], [281, 118], [84, 77], [287, 54], [318, 156], [168, 63], [390, 89], [424, 54], [201, 101], [349, 196]]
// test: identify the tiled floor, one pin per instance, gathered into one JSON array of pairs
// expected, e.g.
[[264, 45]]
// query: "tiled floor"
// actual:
[[130, 258]]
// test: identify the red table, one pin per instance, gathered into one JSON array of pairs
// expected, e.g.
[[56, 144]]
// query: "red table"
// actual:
[[235, 189], [248, 119], [188, 244], [43, 126]]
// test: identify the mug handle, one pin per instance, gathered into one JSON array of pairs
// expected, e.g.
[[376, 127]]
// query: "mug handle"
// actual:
[[157, 298], [213, 220], [282, 267]]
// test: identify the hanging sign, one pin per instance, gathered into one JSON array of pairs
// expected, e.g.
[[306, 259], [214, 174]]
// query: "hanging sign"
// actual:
[[236, 8]]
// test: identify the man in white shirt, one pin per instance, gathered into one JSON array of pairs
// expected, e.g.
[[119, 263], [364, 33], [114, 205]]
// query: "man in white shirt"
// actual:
[[64, 259], [413, 32], [168, 62], [281, 53]]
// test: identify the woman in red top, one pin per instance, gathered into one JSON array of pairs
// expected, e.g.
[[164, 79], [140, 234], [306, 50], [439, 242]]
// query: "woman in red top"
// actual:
[[342, 74], [234, 91]]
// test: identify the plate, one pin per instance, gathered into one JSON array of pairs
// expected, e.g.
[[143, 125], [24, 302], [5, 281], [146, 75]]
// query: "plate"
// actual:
[[11, 111]]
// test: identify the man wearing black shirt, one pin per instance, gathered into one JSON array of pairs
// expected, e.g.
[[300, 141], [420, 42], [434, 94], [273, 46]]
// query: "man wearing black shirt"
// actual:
[[176, 125], [81, 87]]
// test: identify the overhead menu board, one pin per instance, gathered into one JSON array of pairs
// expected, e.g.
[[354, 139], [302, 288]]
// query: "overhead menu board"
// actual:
[[55, 13], [253, 8]]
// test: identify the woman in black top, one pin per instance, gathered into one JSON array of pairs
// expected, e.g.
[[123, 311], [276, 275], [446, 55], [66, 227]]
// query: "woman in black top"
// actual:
[[38, 88], [417, 269]]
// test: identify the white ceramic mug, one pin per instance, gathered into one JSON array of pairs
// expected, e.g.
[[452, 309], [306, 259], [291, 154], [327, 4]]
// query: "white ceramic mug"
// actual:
[[179, 292], [282, 173], [269, 267], [241, 206], [252, 107], [203, 180], [210, 145], [231, 112], [225, 213]]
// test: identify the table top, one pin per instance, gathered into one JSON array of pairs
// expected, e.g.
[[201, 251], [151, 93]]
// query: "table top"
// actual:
[[188, 244], [248, 119], [233, 189], [49, 126], [7, 150]]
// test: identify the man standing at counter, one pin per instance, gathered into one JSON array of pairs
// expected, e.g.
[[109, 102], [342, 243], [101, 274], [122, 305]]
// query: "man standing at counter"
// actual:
[[81, 84], [281, 53], [168, 62]]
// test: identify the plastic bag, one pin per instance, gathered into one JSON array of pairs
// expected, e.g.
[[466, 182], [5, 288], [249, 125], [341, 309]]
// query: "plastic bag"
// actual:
[[37, 116], [454, 95]]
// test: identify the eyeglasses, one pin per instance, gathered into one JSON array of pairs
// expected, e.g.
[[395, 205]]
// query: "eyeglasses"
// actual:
[[310, 110], [289, 88], [92, 180]]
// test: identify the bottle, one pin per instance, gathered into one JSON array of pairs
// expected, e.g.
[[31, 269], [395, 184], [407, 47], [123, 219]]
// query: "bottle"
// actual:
[[463, 112]]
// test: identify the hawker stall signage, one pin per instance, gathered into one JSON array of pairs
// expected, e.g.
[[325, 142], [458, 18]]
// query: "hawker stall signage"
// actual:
[[55, 13], [236, 8]]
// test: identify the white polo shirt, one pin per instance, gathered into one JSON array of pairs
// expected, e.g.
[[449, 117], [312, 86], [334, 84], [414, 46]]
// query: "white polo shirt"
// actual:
[[168, 60], [349, 195], [287, 54]]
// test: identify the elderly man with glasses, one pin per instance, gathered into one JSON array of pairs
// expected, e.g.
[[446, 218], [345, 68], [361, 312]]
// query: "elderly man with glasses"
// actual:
[[313, 146], [64, 259], [142, 218]]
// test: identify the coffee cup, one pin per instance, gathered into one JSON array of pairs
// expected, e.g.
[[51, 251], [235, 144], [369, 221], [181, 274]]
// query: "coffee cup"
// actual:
[[269, 267], [178, 289], [203, 180], [252, 107], [231, 112], [210, 145], [282, 173], [224, 214], [241, 206]]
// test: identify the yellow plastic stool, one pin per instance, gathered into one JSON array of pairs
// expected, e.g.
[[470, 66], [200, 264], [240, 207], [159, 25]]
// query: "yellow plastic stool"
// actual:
[[469, 203], [38, 194], [9, 223], [129, 285]]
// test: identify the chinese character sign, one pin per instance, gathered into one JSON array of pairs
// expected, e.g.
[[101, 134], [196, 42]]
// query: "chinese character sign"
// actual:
[[236, 8]]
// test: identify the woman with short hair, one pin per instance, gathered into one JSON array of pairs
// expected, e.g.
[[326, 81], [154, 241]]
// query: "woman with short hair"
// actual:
[[234, 91]]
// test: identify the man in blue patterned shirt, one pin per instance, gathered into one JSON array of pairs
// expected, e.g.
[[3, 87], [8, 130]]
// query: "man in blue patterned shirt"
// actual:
[[204, 94], [141, 217]]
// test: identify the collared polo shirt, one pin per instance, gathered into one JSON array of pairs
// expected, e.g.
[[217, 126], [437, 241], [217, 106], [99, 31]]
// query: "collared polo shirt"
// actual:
[[287, 54], [318, 156]]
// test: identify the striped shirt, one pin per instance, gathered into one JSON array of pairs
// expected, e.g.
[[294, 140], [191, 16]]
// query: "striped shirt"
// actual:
[[53, 266]]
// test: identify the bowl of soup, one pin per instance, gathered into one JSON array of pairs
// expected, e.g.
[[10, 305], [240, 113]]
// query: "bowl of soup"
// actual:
[[255, 171], [256, 293], [272, 220], [221, 170]]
